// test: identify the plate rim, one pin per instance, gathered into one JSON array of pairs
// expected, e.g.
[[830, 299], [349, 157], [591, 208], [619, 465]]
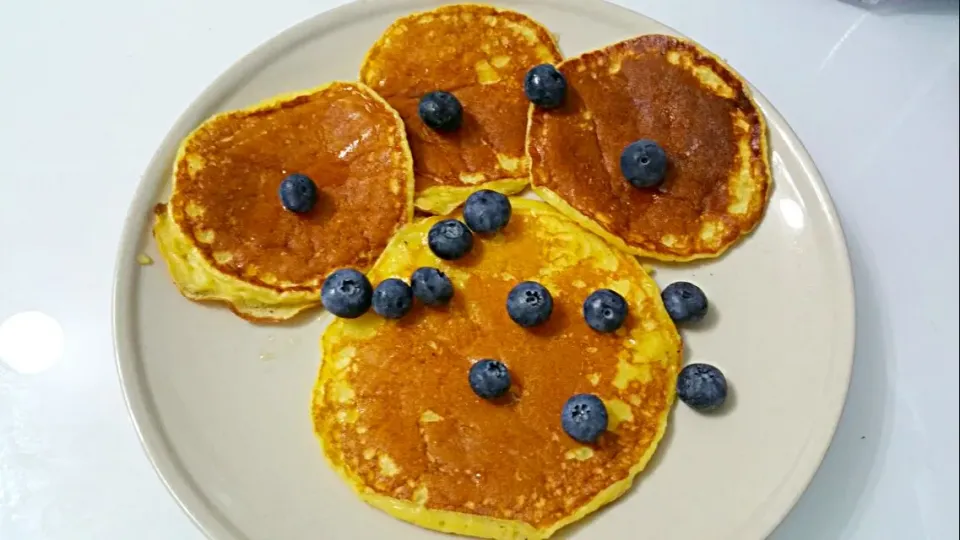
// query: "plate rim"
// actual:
[[136, 395]]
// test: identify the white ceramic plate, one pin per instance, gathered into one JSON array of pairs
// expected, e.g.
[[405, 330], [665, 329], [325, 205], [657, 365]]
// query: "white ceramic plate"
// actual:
[[222, 406]]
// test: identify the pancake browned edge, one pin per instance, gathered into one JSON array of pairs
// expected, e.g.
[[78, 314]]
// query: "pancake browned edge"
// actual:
[[481, 55], [397, 419], [227, 238], [696, 107]]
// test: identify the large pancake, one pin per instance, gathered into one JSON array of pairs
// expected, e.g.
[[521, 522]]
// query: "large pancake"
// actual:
[[481, 55], [398, 420], [674, 92], [225, 235]]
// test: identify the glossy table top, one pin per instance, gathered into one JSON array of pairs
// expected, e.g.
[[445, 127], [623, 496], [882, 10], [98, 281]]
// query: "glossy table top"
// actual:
[[92, 87]]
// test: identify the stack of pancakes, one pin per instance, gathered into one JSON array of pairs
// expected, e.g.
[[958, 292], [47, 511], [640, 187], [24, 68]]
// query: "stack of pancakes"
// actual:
[[392, 408]]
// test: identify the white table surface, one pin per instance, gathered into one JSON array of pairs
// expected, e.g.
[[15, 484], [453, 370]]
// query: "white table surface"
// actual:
[[90, 88]]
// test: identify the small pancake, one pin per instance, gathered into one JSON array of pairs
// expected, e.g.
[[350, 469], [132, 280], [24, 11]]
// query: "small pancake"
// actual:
[[225, 234], [398, 420], [674, 92], [481, 55]]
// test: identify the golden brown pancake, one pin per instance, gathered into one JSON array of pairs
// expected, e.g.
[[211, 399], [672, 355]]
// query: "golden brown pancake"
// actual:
[[481, 55], [687, 100], [398, 420], [225, 234]]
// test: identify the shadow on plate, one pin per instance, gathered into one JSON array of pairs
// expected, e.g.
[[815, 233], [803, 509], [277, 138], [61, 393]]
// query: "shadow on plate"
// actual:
[[709, 322], [835, 497], [728, 407]]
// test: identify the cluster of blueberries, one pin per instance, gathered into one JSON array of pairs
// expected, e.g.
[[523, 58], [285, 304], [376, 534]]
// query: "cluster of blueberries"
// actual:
[[348, 294], [643, 162]]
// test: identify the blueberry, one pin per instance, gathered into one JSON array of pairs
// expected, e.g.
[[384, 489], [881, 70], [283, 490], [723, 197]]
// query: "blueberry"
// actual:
[[643, 163], [685, 302], [605, 310], [529, 304], [702, 387], [486, 211], [392, 298], [450, 239], [298, 193], [584, 417], [545, 86], [489, 379], [441, 111], [431, 286], [346, 293]]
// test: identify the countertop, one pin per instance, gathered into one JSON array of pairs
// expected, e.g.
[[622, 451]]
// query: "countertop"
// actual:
[[90, 89]]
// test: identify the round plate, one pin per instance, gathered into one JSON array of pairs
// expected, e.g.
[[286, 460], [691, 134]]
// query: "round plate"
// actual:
[[222, 405]]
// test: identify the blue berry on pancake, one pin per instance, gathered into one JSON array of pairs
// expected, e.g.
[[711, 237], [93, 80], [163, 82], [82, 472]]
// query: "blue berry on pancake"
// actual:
[[486, 211], [450, 239], [392, 298], [643, 163], [431, 286], [545, 86], [529, 304], [605, 310], [584, 418], [489, 379], [298, 193], [441, 111], [346, 293]]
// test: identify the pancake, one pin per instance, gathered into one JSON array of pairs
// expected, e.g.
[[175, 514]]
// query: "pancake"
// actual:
[[481, 55], [674, 92], [225, 235], [398, 420]]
